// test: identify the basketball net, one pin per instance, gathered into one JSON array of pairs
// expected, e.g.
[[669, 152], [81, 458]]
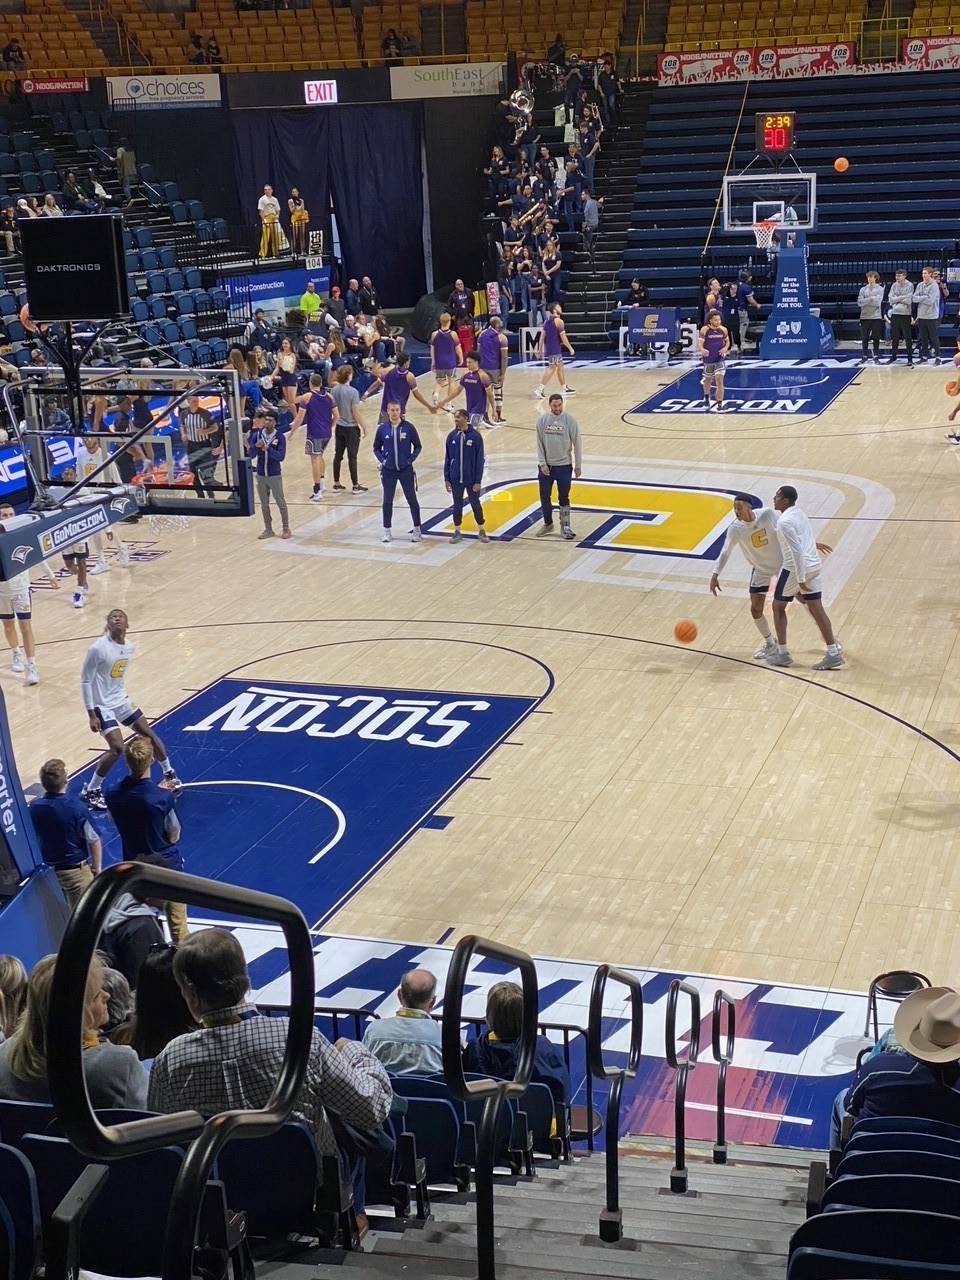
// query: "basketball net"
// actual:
[[764, 233]]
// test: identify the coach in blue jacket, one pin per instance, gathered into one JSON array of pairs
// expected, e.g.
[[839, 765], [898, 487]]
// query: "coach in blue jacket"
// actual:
[[463, 472], [396, 447]]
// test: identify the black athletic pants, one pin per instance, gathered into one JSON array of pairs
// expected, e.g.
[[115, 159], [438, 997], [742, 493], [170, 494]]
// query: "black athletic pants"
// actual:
[[900, 328], [928, 338], [462, 493], [871, 331], [347, 441]]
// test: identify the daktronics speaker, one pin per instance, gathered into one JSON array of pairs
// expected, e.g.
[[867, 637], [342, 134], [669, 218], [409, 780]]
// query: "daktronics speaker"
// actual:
[[74, 267]]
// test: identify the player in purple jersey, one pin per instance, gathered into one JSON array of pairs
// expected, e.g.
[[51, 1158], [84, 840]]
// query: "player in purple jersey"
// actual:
[[550, 346], [478, 388], [319, 410], [445, 355], [398, 384], [494, 356], [713, 344]]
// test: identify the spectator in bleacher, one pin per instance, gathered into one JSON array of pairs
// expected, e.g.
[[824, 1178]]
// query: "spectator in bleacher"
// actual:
[[68, 841], [237, 1052], [900, 310], [268, 447], [390, 44], [607, 88], [268, 211], [409, 46], [14, 58], [126, 161], [259, 332], [495, 1052], [119, 1001], [550, 266], [129, 931], [409, 1042], [572, 85], [352, 297], [460, 303], [590, 223], [9, 229], [336, 310], [197, 53], [369, 297], [589, 150], [496, 171], [916, 1075], [24, 210], [92, 189], [870, 302], [73, 198], [570, 202], [928, 299], [214, 56], [50, 208], [13, 994], [557, 52], [160, 1013], [310, 301], [114, 1077]]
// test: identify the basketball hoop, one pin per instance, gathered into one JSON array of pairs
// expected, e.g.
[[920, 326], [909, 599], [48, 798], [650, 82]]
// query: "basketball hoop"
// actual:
[[764, 233]]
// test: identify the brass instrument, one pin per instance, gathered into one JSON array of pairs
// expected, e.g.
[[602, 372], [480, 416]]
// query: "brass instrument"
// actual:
[[522, 103], [535, 217]]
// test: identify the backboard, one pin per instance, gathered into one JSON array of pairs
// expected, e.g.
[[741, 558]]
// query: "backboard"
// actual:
[[788, 198]]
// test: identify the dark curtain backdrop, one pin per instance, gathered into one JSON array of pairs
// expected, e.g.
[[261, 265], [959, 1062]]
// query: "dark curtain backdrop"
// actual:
[[454, 136], [367, 158]]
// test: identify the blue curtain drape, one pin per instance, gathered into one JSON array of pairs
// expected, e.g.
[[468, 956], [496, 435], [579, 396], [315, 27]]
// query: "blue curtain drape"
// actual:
[[367, 158]]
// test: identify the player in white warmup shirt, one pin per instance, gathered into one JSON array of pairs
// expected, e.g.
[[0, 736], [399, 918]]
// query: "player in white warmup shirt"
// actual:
[[102, 683], [15, 603], [90, 455], [754, 531], [799, 577]]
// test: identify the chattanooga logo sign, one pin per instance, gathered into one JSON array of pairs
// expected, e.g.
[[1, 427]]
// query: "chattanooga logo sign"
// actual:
[[164, 91], [73, 529], [447, 80]]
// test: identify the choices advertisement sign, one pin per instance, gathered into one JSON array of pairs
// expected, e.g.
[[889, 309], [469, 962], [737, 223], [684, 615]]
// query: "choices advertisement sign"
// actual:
[[767, 63], [447, 80], [164, 91]]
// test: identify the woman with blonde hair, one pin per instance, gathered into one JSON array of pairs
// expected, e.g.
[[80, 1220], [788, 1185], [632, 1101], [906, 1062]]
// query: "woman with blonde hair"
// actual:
[[114, 1075], [13, 994]]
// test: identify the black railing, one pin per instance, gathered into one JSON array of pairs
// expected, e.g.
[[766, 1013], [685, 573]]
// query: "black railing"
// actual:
[[493, 1091], [334, 1012], [611, 1219], [683, 1066], [723, 1045], [191, 1193]]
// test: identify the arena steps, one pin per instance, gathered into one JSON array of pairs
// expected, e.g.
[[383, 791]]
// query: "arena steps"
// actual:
[[735, 1222]]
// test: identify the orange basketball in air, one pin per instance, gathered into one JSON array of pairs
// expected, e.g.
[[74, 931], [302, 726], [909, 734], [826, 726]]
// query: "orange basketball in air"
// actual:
[[685, 631], [25, 318], [841, 164], [952, 388]]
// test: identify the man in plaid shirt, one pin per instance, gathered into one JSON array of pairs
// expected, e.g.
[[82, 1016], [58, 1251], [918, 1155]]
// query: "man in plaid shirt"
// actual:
[[233, 1061]]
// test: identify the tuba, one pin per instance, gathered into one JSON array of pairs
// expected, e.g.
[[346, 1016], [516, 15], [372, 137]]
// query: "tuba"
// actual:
[[522, 103]]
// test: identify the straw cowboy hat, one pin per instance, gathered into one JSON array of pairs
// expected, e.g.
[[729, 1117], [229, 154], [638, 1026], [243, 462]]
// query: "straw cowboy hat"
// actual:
[[928, 1025]]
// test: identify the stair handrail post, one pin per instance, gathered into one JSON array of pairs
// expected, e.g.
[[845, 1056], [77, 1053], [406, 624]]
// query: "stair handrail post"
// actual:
[[723, 1045], [611, 1219], [443, 30], [492, 1092], [683, 1066]]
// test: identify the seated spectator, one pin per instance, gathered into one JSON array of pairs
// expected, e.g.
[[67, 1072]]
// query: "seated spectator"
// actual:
[[13, 994], [214, 56], [198, 54], [234, 1059], [50, 208], [390, 44], [14, 59], [918, 1073], [129, 931], [495, 1052], [409, 46], [24, 210], [9, 229], [161, 1013], [259, 332], [119, 1001], [113, 1075], [73, 198], [460, 303], [93, 190], [639, 294], [68, 841], [409, 1042]]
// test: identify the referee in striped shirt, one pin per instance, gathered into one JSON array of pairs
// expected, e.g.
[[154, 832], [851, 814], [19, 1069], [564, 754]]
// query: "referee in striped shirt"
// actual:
[[199, 432]]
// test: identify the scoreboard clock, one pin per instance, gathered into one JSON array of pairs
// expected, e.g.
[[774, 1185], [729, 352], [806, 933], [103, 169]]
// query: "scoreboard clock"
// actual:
[[775, 133]]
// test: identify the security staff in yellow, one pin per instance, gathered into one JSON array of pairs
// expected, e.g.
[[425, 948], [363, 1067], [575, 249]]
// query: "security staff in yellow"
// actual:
[[103, 686], [754, 531]]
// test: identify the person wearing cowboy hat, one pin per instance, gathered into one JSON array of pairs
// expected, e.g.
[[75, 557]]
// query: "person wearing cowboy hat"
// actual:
[[918, 1074]]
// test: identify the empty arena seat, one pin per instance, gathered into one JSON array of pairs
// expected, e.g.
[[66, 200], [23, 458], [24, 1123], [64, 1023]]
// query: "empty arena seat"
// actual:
[[18, 1118], [219, 298], [50, 180], [8, 307], [131, 260], [195, 210], [175, 280], [892, 1191], [170, 331], [22, 141], [83, 140], [891, 1140], [46, 158], [192, 278], [284, 1203], [906, 1124], [15, 331], [168, 257], [139, 310], [151, 335], [5, 145], [882, 1244], [143, 237], [157, 282], [100, 138], [220, 229], [178, 211], [26, 162], [18, 1194], [437, 1128], [8, 164], [202, 355], [157, 308], [927, 1164], [30, 183], [170, 191], [204, 230], [147, 173], [184, 303], [188, 328], [150, 260], [182, 353], [220, 349]]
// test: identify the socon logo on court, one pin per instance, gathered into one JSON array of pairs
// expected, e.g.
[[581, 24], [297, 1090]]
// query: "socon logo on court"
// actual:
[[748, 388]]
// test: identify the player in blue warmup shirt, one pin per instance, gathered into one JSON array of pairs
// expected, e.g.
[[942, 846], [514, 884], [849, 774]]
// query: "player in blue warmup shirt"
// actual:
[[713, 344], [396, 447], [463, 471]]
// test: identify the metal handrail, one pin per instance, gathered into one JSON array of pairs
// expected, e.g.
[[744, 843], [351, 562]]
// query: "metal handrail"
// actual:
[[683, 1067], [493, 1091], [332, 1011], [611, 1219], [65, 1046], [723, 1047]]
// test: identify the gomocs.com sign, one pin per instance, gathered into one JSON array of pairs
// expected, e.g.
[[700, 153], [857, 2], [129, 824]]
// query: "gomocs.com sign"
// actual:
[[164, 91], [319, 93]]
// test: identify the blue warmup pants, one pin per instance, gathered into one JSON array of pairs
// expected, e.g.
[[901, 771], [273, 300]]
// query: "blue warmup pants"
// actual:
[[463, 493], [407, 479], [562, 477]]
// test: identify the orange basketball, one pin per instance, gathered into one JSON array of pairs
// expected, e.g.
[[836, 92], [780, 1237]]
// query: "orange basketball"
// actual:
[[841, 164], [25, 318], [685, 631], [952, 388]]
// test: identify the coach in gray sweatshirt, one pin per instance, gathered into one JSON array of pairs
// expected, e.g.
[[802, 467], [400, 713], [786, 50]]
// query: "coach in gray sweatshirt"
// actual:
[[926, 295], [900, 302], [559, 458]]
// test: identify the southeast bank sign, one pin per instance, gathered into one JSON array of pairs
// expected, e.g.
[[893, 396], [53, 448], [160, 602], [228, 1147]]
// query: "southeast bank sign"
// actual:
[[447, 80], [201, 90]]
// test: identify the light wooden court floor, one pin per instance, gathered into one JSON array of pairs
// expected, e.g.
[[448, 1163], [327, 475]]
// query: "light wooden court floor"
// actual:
[[682, 809]]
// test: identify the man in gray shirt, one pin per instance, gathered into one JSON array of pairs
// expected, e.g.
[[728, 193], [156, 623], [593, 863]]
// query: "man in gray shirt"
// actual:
[[560, 458], [591, 223], [900, 303], [410, 1041], [926, 295]]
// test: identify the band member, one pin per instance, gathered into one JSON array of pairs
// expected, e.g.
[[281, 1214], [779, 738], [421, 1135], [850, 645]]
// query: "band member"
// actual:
[[268, 207], [299, 221]]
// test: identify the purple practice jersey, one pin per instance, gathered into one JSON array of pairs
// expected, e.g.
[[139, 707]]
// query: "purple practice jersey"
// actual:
[[444, 343]]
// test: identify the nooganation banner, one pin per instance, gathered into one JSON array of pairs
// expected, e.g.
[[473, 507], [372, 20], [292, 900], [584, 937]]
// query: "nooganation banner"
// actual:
[[761, 63]]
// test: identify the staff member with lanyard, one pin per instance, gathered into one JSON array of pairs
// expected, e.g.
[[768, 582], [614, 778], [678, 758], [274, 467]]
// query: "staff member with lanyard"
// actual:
[[144, 814], [268, 448], [396, 446]]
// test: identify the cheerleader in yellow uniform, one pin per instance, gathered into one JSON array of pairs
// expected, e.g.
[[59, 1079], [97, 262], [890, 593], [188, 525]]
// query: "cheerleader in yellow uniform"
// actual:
[[299, 221]]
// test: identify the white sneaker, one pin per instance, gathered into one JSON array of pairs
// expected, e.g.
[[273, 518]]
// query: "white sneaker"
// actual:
[[322, 490], [416, 535], [539, 393], [123, 559], [315, 497], [99, 566], [386, 536], [79, 599], [33, 675], [765, 652], [16, 661], [778, 659]]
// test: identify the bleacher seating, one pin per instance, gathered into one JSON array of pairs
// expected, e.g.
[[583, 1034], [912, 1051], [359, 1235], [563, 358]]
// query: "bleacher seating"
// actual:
[[401, 16], [933, 18], [275, 40], [495, 27], [721, 24], [53, 39]]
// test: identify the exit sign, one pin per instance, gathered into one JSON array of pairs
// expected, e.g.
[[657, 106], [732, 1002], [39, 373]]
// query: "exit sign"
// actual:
[[319, 93]]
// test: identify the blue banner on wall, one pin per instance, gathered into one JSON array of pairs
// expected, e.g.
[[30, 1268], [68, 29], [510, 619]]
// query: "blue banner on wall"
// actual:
[[18, 844], [275, 291], [791, 331], [647, 324]]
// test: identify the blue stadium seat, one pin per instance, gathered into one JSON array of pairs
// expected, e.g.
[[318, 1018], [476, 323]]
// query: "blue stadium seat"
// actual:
[[202, 355], [157, 282], [83, 140], [4, 125], [435, 1087], [26, 163], [92, 119], [219, 298], [906, 1124], [76, 119], [147, 173], [178, 211], [154, 195], [152, 335], [192, 277], [20, 358], [184, 303], [132, 286], [5, 145], [188, 328], [926, 1164], [438, 1131], [144, 237], [15, 331], [46, 159], [123, 1232], [157, 308], [195, 210], [30, 183], [8, 1240], [18, 1192], [168, 257], [220, 231], [22, 141], [204, 230], [892, 1141], [171, 191], [8, 164], [59, 122], [139, 310], [131, 260], [3, 280], [219, 349], [881, 1244], [282, 1204], [892, 1191], [8, 307], [182, 354], [170, 331], [18, 1118], [175, 280], [150, 260], [50, 180], [3, 186], [100, 138], [201, 300]]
